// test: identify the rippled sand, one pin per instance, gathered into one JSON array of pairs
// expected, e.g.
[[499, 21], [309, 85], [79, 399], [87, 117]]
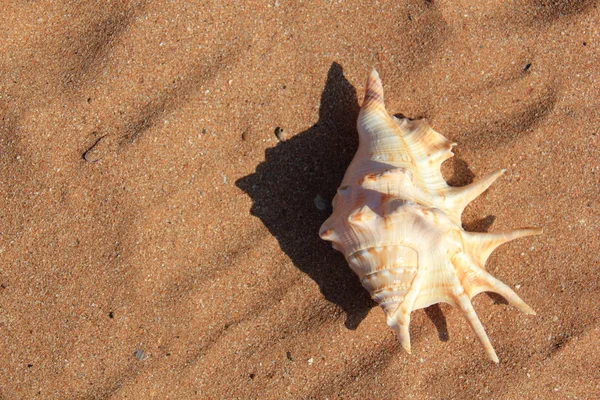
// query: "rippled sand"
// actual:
[[157, 239]]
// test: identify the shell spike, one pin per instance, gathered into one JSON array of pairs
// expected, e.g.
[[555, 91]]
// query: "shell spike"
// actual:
[[496, 286], [466, 307], [373, 91], [363, 214], [399, 322], [327, 234], [326, 231], [476, 280], [459, 197], [481, 245]]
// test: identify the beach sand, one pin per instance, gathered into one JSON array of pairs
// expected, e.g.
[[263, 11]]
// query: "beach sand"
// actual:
[[158, 240]]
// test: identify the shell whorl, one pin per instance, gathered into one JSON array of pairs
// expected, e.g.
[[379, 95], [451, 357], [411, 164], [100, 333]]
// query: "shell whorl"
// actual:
[[398, 223]]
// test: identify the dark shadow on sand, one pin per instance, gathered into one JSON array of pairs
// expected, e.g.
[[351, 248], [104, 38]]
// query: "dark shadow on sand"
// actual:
[[284, 187]]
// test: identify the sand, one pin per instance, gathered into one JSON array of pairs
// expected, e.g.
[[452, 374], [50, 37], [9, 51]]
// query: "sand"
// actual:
[[158, 240]]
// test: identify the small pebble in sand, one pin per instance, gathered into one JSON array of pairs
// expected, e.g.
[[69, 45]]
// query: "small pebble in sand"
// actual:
[[244, 136], [140, 355], [94, 152], [321, 203], [310, 361], [281, 134]]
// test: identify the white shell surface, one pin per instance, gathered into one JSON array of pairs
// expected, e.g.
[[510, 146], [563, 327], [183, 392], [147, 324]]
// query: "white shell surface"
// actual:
[[398, 223]]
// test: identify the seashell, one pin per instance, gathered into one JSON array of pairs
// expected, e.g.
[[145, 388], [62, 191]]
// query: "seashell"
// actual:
[[398, 223]]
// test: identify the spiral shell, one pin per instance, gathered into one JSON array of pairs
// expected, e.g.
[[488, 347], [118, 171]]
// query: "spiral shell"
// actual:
[[398, 223]]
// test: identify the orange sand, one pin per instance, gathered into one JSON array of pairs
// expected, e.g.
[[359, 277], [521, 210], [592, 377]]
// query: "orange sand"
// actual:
[[158, 241]]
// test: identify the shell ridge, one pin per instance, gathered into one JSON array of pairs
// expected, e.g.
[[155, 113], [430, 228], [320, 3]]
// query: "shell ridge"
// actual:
[[388, 245]]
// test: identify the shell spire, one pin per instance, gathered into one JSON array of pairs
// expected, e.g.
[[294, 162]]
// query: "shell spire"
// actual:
[[398, 223], [374, 92]]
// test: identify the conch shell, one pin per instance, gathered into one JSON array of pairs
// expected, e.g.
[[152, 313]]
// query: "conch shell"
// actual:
[[398, 223]]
